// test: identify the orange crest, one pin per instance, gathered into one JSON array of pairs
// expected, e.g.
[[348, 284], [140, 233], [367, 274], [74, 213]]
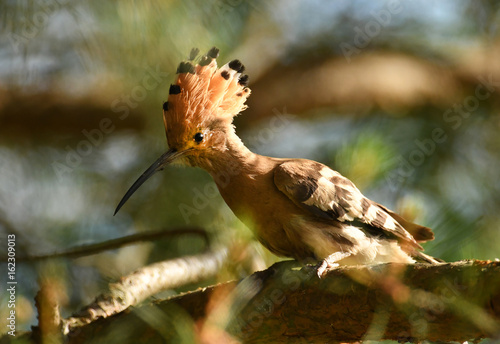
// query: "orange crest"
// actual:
[[203, 95]]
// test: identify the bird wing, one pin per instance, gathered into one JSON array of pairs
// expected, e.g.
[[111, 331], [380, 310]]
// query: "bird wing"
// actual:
[[327, 194]]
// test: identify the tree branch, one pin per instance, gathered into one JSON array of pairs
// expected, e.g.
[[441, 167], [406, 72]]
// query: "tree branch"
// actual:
[[286, 304], [146, 282], [450, 302]]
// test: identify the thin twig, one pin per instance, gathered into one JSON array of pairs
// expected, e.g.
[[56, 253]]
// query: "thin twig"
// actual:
[[87, 250], [49, 318]]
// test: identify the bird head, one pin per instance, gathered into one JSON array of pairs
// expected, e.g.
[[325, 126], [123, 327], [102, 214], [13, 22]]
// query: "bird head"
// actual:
[[199, 112]]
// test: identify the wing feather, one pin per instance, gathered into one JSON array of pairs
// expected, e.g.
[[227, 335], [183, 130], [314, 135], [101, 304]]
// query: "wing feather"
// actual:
[[327, 194]]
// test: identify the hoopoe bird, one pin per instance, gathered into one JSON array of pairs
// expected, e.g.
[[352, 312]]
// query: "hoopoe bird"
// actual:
[[298, 208]]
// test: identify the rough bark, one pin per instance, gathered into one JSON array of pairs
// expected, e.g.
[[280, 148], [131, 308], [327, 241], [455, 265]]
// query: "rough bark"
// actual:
[[450, 302], [285, 304]]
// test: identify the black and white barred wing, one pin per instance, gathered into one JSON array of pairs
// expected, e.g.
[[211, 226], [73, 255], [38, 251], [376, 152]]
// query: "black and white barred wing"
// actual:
[[327, 194]]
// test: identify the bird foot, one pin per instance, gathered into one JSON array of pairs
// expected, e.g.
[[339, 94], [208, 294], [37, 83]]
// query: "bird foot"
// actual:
[[324, 267], [330, 263]]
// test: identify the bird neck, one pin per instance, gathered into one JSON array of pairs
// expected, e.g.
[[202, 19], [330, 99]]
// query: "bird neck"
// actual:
[[241, 176], [236, 151], [234, 160]]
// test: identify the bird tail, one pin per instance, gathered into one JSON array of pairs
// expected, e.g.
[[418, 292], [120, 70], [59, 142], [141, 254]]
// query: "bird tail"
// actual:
[[420, 233], [425, 258]]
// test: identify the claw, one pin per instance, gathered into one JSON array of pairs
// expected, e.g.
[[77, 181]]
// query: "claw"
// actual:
[[330, 263], [324, 267]]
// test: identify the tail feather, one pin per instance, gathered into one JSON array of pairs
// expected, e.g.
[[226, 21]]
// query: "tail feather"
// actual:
[[420, 233], [425, 258]]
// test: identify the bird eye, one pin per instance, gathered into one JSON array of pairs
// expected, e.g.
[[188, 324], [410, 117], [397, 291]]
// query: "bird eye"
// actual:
[[198, 137]]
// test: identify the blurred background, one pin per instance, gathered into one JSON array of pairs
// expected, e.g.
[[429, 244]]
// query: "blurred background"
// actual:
[[402, 97]]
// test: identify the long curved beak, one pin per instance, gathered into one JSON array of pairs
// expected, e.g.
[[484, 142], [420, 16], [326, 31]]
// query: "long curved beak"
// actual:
[[158, 165]]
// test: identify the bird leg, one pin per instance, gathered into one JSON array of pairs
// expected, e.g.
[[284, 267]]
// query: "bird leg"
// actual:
[[330, 263]]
